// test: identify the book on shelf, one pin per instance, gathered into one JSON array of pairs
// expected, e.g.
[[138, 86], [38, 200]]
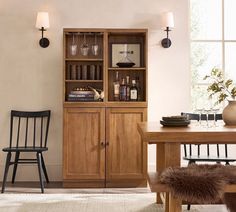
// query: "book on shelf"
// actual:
[[81, 95]]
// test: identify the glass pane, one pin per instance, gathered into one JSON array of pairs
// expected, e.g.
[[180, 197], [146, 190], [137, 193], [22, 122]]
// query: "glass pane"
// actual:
[[230, 62], [200, 98], [204, 57], [230, 16], [206, 19]]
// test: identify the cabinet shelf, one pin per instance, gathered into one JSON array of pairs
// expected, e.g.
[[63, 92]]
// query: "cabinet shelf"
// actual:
[[74, 81], [127, 69]]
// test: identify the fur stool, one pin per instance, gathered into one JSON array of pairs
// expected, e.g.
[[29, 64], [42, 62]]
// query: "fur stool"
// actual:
[[203, 184]]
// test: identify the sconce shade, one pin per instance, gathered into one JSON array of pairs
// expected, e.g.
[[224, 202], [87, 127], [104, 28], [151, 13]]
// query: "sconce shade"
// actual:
[[42, 20], [167, 20]]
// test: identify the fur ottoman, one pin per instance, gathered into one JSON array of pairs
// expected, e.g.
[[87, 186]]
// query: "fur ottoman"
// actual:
[[201, 183]]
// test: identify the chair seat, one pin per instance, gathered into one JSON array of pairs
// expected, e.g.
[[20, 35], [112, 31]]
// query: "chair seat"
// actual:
[[208, 158], [25, 149]]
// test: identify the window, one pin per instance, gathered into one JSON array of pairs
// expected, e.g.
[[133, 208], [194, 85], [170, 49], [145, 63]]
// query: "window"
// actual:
[[213, 44]]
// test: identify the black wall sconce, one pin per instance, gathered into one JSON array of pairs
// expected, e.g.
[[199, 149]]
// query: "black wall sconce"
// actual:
[[167, 25], [42, 23]]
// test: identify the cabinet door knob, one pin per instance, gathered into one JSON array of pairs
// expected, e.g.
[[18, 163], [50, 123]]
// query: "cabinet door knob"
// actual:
[[107, 143], [103, 144]]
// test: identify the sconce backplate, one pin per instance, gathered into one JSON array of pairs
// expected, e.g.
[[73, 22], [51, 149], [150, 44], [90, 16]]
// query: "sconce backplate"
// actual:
[[44, 42], [166, 42]]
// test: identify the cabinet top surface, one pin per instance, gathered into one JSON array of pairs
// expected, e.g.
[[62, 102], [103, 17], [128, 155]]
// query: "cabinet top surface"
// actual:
[[116, 30]]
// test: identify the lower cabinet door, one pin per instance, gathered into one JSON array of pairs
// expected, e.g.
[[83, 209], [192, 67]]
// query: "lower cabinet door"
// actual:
[[126, 155], [83, 147]]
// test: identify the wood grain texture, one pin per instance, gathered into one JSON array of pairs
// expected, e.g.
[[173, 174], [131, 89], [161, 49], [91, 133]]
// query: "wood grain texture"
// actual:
[[84, 122], [84, 130], [155, 133], [169, 139], [126, 154]]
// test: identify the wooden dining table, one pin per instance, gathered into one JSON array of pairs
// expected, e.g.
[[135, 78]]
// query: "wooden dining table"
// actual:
[[168, 142]]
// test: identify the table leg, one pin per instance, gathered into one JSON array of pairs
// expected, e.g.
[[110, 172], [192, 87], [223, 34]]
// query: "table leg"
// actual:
[[160, 164], [172, 158]]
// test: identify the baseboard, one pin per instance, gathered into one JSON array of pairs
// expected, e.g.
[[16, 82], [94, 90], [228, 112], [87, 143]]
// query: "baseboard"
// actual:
[[29, 173]]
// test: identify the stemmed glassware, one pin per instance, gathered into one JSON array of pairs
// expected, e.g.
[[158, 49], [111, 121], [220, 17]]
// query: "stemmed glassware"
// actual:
[[95, 47], [73, 46], [207, 111], [84, 48], [215, 111], [199, 111]]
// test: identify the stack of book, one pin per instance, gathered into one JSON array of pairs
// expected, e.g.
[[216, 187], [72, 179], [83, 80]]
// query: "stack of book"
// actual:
[[81, 95]]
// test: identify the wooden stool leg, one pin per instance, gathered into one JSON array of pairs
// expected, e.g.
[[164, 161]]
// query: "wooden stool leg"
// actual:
[[8, 160], [39, 160], [175, 205]]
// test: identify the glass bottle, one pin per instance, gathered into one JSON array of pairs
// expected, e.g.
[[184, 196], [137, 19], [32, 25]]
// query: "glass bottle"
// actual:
[[138, 87], [133, 91], [123, 90], [116, 87], [127, 88]]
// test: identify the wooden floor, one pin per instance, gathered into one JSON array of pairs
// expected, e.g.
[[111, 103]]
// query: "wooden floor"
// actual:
[[56, 188]]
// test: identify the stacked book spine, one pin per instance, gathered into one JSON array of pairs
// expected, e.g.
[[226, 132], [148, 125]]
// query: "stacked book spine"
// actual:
[[84, 96]]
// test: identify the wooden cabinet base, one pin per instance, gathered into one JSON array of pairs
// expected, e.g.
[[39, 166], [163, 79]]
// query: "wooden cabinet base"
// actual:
[[102, 184], [126, 183], [84, 184]]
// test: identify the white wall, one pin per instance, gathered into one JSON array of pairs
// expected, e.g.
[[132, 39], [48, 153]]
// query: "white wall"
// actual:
[[31, 77]]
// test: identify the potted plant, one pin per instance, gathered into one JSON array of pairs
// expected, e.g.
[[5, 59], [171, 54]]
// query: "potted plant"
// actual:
[[224, 89]]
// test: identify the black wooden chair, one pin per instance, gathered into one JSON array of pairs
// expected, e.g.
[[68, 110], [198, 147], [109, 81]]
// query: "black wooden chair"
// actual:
[[194, 153], [212, 150], [28, 133]]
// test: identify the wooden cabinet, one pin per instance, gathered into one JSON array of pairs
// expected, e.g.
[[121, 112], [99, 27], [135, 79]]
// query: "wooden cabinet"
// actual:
[[84, 152], [126, 154], [101, 145]]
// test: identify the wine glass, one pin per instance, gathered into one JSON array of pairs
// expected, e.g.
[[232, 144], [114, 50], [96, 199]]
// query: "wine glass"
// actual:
[[73, 46], [199, 111], [84, 48], [215, 111], [207, 111], [95, 46]]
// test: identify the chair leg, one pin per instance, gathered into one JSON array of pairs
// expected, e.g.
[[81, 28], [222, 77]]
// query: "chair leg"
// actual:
[[15, 167], [8, 160], [188, 207], [44, 169], [39, 160]]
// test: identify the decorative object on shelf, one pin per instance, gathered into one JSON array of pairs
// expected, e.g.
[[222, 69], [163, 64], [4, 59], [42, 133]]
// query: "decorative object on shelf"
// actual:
[[98, 72], [78, 72], [97, 95], [42, 23], [167, 25], [84, 49], [73, 46], [92, 72], [225, 90], [84, 72], [125, 55], [95, 46], [73, 72]]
